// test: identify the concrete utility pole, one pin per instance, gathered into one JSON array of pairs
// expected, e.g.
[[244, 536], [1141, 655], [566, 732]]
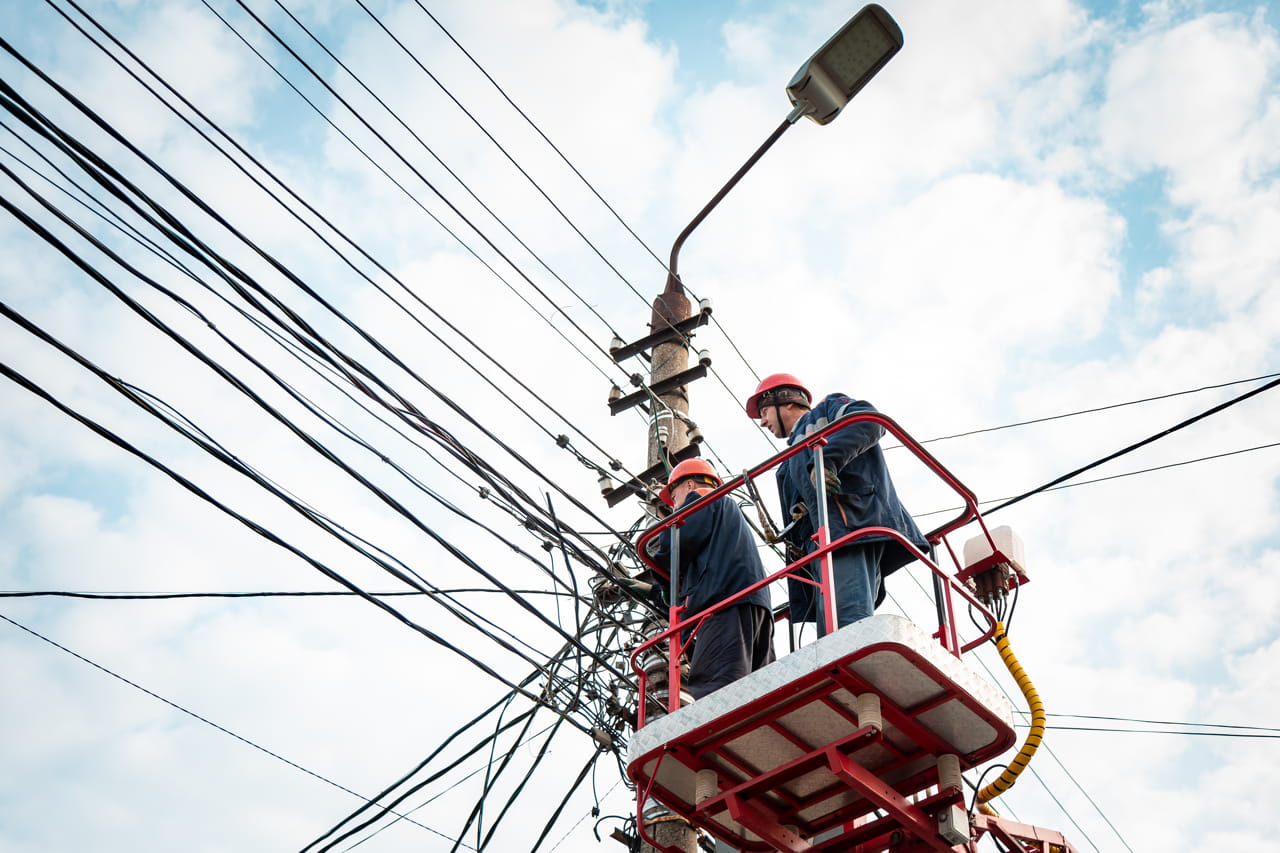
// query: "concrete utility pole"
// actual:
[[668, 435], [669, 432]]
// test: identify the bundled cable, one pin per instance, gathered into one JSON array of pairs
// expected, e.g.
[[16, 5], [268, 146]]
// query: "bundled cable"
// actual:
[[1010, 775]]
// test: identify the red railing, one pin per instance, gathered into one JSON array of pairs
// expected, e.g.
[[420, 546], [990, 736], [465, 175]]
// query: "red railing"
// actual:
[[947, 633]]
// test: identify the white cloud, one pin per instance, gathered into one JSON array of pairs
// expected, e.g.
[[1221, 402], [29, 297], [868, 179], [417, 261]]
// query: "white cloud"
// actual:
[[1182, 99]]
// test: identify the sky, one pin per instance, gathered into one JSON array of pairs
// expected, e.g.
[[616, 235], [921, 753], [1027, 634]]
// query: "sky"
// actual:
[[1056, 219]]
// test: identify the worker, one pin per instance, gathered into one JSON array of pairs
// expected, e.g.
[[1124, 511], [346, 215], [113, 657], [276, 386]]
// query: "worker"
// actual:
[[858, 493], [718, 558]]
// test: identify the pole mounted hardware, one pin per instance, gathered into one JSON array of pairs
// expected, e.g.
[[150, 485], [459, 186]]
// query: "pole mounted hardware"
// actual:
[[679, 330], [639, 485], [657, 389]]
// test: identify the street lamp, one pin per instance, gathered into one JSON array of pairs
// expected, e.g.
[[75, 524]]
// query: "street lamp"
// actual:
[[819, 89], [847, 62]]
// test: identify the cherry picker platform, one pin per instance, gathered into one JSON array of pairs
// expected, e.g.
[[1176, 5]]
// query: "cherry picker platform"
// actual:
[[854, 742]]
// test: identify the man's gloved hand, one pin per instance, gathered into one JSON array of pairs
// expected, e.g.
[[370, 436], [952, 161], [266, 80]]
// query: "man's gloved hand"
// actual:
[[658, 595], [831, 478]]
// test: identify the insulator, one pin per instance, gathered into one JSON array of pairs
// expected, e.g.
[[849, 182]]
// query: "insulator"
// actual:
[[704, 305], [616, 343], [662, 425], [606, 483], [695, 434], [704, 358], [615, 394]]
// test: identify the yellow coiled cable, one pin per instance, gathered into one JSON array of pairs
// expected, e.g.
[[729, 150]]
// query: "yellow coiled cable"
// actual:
[[1032, 743]]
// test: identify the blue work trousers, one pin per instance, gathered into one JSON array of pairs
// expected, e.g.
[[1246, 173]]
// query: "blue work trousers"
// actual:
[[857, 581], [728, 645]]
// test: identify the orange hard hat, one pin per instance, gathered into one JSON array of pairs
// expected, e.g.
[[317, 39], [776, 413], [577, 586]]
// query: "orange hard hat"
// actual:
[[688, 468], [772, 383]]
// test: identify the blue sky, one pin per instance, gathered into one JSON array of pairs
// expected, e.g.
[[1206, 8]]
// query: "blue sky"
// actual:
[[1036, 209]]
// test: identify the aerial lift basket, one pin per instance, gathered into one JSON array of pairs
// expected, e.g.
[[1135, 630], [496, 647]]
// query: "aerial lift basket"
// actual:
[[855, 742]]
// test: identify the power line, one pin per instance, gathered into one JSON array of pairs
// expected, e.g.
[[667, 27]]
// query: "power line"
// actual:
[[483, 375], [1089, 411], [417, 138], [227, 458], [306, 334], [172, 418], [1150, 470], [315, 563], [1144, 442], [501, 91], [150, 596], [1274, 736], [404, 161], [1229, 730], [198, 717]]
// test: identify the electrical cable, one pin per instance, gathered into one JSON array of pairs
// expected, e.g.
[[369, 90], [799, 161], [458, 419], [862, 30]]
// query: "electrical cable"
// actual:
[[998, 609], [138, 398], [158, 596], [586, 183], [194, 715], [1148, 440], [417, 138], [399, 43], [1095, 409], [559, 489], [1258, 735], [348, 433], [387, 809], [483, 375], [1150, 470], [24, 382], [555, 814], [416, 172], [1267, 729], [238, 385]]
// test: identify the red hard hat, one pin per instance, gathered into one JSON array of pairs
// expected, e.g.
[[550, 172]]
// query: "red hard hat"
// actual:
[[688, 468], [769, 383]]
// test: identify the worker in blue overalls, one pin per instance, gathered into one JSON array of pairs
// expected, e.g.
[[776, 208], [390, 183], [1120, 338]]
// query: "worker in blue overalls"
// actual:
[[718, 558], [858, 493]]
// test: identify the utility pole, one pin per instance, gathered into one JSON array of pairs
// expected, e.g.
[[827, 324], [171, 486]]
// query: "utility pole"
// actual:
[[668, 435], [819, 90], [670, 324], [669, 432]]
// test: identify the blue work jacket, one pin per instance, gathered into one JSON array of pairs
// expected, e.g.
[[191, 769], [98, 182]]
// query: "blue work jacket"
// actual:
[[866, 498], [718, 556]]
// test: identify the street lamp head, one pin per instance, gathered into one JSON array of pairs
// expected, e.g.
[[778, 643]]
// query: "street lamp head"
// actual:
[[842, 66]]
